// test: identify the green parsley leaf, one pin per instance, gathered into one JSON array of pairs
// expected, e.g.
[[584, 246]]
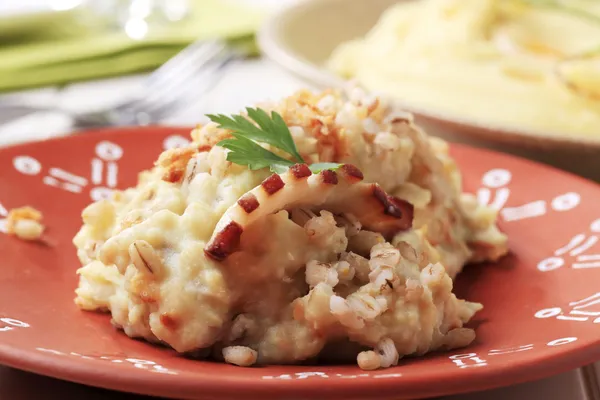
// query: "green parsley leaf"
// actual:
[[270, 130], [318, 167], [244, 148], [276, 124], [245, 152]]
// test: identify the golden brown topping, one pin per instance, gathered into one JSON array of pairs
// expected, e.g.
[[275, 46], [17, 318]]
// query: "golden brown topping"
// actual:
[[208, 136], [330, 146], [174, 163]]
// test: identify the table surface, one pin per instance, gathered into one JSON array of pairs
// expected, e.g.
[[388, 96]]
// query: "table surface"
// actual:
[[19, 385], [245, 83]]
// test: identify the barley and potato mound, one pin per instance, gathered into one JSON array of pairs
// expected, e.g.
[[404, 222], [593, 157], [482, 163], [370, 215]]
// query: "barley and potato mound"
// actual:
[[216, 260]]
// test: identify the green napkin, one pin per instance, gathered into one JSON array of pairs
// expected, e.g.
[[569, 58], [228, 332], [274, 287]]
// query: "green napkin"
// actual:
[[62, 53]]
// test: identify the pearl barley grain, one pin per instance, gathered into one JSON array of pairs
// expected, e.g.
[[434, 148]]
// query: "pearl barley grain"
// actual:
[[28, 229], [25, 223], [240, 355], [368, 360]]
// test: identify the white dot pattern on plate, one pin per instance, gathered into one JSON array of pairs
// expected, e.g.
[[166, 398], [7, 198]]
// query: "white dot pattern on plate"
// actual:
[[103, 177], [582, 249]]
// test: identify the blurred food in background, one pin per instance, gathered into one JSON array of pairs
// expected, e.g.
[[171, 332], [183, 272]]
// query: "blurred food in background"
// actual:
[[517, 64]]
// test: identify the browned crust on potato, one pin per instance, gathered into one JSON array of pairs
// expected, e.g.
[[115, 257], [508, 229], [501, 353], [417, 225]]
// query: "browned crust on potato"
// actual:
[[174, 163]]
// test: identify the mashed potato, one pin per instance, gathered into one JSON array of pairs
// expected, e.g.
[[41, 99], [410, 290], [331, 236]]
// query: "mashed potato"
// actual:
[[360, 260], [492, 62]]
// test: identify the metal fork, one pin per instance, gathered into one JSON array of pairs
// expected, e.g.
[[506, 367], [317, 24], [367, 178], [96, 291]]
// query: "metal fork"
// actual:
[[187, 75]]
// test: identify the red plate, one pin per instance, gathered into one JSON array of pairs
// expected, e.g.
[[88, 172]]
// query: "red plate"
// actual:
[[542, 303]]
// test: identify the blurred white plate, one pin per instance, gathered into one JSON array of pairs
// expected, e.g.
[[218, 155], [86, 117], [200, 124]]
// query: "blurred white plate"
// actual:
[[300, 38]]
